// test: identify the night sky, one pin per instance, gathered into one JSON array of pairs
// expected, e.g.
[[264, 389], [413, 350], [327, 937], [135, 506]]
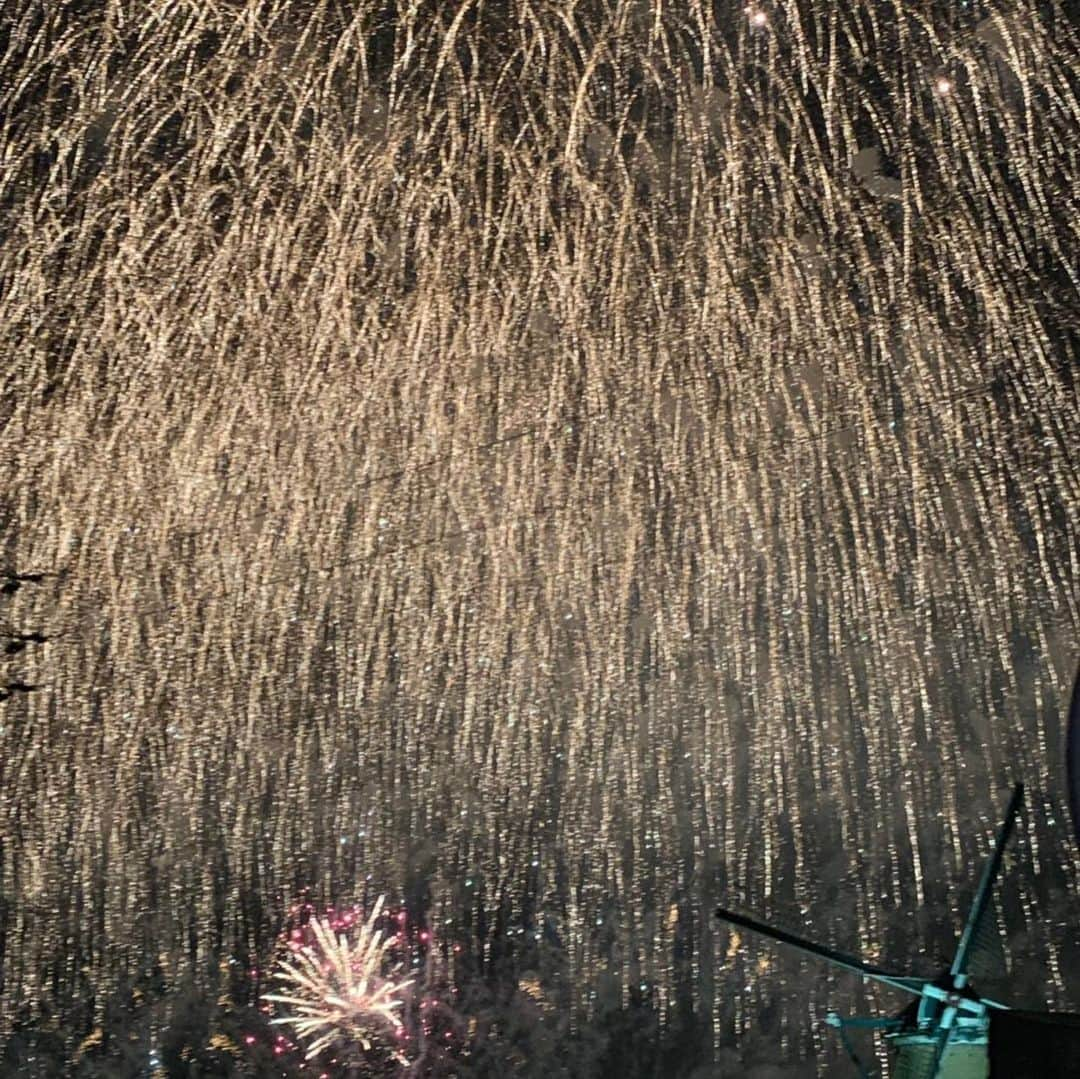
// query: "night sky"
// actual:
[[558, 467]]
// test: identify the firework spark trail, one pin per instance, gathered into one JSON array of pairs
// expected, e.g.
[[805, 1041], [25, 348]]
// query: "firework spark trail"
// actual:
[[673, 641]]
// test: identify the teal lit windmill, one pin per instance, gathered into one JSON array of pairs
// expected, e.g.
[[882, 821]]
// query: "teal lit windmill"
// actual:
[[950, 1031]]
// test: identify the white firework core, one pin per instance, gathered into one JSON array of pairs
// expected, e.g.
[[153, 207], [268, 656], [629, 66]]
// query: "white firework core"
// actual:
[[338, 988]]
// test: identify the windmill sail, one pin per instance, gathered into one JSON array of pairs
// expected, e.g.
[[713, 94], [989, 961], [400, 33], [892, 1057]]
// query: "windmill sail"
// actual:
[[986, 959], [946, 1042], [839, 959], [981, 908]]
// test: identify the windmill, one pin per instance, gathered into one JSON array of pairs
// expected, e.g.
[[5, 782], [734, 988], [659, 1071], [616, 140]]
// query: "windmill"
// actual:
[[947, 1032]]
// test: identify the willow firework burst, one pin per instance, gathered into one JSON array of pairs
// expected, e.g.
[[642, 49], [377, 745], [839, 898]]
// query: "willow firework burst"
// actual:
[[341, 986], [554, 458]]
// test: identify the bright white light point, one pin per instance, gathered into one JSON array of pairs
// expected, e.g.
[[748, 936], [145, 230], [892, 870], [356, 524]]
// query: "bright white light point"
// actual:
[[943, 86], [759, 18]]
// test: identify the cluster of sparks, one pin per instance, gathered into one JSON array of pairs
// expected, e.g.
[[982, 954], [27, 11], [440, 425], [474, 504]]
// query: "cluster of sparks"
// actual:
[[336, 982], [581, 463], [356, 988]]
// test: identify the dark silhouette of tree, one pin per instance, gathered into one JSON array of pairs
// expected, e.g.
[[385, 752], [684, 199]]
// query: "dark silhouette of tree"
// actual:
[[17, 642], [16, 687], [14, 581]]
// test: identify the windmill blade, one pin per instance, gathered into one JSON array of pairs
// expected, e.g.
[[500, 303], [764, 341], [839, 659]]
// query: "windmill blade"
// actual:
[[986, 956], [1072, 758], [838, 959], [979, 908]]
